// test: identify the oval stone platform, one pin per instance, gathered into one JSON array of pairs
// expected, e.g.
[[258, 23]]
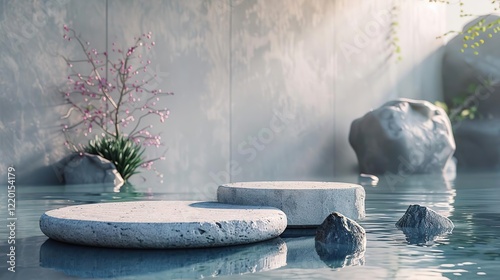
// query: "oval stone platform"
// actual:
[[306, 204], [162, 224]]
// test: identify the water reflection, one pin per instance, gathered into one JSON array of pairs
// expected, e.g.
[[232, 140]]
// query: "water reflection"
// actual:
[[302, 253], [471, 201], [341, 260], [423, 237], [91, 262], [432, 190]]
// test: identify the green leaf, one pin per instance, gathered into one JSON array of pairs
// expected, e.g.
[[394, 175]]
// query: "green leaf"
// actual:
[[123, 152], [442, 105]]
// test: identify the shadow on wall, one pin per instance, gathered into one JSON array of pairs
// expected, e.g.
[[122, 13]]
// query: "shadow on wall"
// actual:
[[30, 74], [424, 80], [276, 62], [374, 76]]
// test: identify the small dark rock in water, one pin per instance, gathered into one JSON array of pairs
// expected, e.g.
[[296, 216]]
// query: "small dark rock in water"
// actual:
[[340, 241], [403, 136], [422, 225], [421, 217], [87, 168]]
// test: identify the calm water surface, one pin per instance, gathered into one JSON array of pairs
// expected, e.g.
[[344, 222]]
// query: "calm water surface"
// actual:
[[472, 251]]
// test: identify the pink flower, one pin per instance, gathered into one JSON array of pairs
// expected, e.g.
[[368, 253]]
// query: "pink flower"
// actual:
[[110, 105]]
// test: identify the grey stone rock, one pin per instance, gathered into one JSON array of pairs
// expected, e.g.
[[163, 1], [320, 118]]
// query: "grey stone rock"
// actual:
[[86, 168], [461, 70], [403, 136], [301, 253], [422, 225], [340, 241], [305, 203], [478, 144], [421, 217]]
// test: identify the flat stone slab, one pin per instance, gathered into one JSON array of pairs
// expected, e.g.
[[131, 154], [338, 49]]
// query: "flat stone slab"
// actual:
[[306, 204], [162, 224]]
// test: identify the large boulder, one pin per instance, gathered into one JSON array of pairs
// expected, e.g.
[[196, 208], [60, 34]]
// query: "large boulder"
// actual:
[[83, 168], [403, 136], [477, 77], [422, 225], [340, 241]]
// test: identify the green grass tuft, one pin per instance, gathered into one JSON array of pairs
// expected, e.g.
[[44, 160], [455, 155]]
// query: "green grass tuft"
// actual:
[[123, 152]]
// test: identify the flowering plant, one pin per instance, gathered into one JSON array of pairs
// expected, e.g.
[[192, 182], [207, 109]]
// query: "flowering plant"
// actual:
[[113, 108]]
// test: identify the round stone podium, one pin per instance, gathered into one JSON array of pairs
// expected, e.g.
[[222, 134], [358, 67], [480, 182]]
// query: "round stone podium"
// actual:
[[306, 204], [162, 224]]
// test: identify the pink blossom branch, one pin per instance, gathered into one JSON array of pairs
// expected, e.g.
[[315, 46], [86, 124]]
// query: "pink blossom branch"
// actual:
[[112, 105]]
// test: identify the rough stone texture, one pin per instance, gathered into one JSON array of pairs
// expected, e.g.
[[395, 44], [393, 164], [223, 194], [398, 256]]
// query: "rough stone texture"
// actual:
[[422, 225], [478, 144], [477, 141], [421, 217], [403, 135], [90, 169], [340, 241], [90, 262], [304, 203], [162, 224]]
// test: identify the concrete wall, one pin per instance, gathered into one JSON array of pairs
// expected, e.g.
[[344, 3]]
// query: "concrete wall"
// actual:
[[264, 90]]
